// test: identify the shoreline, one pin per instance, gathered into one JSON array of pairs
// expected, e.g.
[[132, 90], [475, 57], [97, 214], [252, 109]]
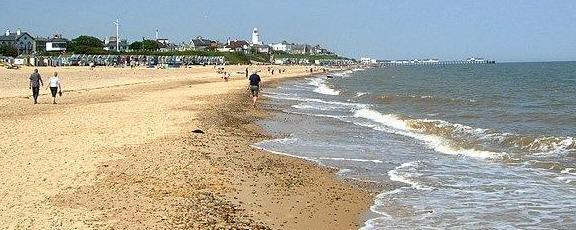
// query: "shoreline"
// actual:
[[368, 187], [151, 171]]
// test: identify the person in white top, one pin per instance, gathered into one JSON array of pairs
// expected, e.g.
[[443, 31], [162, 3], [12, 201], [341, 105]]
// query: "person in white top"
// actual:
[[55, 86]]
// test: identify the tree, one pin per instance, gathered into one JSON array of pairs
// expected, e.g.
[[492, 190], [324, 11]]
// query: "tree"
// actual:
[[86, 45], [135, 45], [150, 45], [6, 50]]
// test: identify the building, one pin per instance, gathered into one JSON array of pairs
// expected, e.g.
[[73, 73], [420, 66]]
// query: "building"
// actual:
[[110, 44], [164, 45], [21, 41], [299, 49], [167, 47], [54, 44], [262, 48], [199, 44], [293, 48], [256, 37], [319, 50], [282, 46], [368, 61], [238, 46], [334, 62], [163, 41]]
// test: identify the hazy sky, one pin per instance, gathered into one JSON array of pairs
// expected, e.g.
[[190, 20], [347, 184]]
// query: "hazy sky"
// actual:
[[505, 30]]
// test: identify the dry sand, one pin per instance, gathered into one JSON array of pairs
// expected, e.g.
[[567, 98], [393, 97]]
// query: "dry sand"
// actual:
[[118, 152]]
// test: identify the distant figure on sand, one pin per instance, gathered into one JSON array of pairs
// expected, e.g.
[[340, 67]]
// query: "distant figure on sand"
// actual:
[[35, 83], [254, 86], [55, 86], [246, 72]]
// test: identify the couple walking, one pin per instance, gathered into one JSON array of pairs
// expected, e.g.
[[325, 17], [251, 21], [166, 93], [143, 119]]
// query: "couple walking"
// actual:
[[36, 82]]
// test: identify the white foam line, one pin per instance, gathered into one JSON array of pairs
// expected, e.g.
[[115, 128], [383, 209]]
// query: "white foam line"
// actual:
[[370, 224], [346, 159], [317, 115], [311, 107], [395, 175], [322, 88], [401, 127]]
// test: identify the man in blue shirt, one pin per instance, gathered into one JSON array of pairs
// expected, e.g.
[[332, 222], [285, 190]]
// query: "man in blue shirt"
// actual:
[[254, 86]]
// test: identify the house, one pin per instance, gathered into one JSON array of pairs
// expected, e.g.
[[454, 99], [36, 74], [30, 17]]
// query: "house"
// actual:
[[262, 48], [319, 50], [293, 48], [300, 49], [54, 44], [334, 62], [22, 41], [110, 44], [238, 46], [282, 46], [163, 41], [167, 47], [199, 44], [164, 45]]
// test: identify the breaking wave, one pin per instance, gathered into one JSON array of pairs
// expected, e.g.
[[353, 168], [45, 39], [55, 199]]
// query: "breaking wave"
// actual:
[[322, 88], [457, 139]]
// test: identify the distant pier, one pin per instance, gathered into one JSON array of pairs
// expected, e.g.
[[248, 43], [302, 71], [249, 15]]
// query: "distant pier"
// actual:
[[434, 62]]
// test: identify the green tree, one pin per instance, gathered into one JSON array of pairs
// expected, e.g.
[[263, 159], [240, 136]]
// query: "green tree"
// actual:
[[86, 45], [150, 45], [6, 50], [135, 45]]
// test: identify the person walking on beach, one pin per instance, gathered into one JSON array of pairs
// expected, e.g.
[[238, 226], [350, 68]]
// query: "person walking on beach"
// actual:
[[246, 72], [35, 84], [55, 86], [254, 86]]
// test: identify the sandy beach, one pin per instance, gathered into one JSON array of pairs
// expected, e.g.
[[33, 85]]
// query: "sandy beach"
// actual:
[[118, 152]]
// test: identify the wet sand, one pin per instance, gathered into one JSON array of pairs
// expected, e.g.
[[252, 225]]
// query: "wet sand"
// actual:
[[118, 151]]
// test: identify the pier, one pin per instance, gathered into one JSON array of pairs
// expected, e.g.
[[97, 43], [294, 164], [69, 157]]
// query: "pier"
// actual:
[[469, 61]]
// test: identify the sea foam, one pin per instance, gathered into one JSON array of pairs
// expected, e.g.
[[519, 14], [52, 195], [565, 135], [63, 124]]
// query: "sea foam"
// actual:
[[402, 127], [322, 88]]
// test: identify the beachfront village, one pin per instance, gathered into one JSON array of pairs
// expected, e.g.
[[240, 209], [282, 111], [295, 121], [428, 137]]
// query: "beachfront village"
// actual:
[[25, 48]]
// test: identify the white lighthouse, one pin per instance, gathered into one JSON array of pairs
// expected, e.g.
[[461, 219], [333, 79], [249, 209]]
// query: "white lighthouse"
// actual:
[[255, 37]]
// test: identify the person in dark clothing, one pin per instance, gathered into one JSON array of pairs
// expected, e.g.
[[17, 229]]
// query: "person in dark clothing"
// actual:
[[254, 86], [246, 72], [35, 84]]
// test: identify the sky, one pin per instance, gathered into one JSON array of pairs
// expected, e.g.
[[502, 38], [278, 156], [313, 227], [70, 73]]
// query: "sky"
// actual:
[[503, 30]]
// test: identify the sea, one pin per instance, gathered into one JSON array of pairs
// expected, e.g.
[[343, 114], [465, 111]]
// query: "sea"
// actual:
[[471, 146]]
